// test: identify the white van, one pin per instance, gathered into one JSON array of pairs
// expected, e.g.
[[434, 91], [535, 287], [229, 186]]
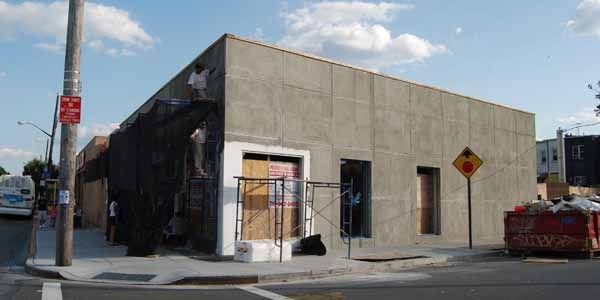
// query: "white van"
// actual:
[[17, 195]]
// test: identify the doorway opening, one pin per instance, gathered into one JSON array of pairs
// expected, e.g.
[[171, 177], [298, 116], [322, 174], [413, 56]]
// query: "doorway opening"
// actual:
[[428, 201], [356, 207]]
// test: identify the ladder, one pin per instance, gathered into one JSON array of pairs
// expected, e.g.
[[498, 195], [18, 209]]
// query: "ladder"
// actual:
[[239, 217], [347, 219], [279, 218], [309, 203]]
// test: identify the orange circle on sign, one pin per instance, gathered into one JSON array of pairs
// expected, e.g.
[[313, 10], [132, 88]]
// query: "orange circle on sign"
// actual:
[[467, 167]]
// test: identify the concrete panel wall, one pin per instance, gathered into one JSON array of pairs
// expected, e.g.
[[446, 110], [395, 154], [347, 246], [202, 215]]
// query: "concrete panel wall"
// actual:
[[276, 97], [91, 196]]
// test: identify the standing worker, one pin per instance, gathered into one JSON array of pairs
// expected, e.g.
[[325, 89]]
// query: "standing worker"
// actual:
[[112, 221], [199, 149], [199, 82]]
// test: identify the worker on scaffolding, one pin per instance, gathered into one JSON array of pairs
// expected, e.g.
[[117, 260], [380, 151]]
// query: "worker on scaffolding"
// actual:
[[199, 149], [198, 81]]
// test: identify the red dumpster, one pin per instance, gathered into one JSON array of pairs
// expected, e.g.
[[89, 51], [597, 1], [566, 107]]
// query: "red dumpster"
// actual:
[[564, 231]]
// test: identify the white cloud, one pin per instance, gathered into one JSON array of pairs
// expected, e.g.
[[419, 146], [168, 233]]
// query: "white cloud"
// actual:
[[49, 21], [119, 52], [7, 152], [352, 31], [587, 18], [95, 129], [584, 116], [96, 44], [458, 30], [3, 74], [56, 48], [258, 34]]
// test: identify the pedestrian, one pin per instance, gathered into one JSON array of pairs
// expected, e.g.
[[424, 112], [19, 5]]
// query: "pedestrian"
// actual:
[[113, 211], [78, 217], [42, 211], [53, 214]]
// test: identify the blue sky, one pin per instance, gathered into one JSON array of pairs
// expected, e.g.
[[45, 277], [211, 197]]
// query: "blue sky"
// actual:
[[533, 55]]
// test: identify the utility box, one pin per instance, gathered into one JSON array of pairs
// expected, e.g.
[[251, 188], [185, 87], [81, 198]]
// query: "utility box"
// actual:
[[564, 231]]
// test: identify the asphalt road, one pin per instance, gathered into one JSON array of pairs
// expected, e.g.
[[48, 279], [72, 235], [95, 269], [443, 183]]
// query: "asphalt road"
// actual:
[[14, 240], [505, 278], [497, 278]]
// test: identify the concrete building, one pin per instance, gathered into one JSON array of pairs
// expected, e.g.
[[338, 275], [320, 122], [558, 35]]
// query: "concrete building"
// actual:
[[90, 182], [547, 159], [327, 121], [582, 160]]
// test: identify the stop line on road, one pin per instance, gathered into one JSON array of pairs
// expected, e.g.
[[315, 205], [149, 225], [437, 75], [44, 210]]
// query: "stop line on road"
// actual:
[[51, 291]]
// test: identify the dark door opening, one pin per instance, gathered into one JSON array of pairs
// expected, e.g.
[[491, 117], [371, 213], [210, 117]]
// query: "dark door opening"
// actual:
[[428, 206], [359, 174]]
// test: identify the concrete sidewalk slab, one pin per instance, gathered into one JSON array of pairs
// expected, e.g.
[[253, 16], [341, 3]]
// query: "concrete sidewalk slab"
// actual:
[[95, 261]]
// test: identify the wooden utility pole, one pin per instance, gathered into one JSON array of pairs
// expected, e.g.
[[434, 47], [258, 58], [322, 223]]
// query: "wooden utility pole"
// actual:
[[68, 138]]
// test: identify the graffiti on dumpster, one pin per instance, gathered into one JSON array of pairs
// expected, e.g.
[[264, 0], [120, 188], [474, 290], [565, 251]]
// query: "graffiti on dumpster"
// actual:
[[522, 224], [546, 241]]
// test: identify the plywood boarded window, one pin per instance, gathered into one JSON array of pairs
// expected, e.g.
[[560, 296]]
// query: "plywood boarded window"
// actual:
[[260, 201], [428, 217]]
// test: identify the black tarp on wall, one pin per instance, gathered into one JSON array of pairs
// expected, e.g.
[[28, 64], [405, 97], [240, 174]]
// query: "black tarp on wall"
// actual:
[[146, 169]]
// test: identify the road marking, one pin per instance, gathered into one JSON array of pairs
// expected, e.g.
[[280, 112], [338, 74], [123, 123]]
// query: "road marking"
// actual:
[[264, 293], [51, 291]]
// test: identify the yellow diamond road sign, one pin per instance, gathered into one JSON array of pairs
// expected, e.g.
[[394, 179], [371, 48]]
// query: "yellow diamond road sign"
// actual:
[[467, 162]]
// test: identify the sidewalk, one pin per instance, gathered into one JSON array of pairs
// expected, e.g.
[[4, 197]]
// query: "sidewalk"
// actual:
[[95, 261]]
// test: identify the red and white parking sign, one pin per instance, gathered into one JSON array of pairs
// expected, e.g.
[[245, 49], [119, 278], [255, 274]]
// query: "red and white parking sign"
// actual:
[[70, 109]]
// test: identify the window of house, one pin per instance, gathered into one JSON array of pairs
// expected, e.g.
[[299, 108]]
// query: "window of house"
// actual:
[[554, 154], [428, 200], [577, 152], [355, 207], [543, 156], [580, 180]]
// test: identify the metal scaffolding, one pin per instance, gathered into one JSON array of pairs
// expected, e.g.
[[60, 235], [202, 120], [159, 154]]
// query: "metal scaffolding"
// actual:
[[307, 202]]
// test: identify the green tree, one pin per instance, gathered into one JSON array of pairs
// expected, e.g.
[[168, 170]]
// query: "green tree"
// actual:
[[3, 172], [35, 169]]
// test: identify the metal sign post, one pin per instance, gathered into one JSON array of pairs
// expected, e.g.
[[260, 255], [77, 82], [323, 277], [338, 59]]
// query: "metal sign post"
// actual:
[[467, 163]]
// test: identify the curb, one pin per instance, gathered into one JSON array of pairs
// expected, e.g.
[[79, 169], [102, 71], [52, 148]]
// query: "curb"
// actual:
[[391, 266], [33, 270]]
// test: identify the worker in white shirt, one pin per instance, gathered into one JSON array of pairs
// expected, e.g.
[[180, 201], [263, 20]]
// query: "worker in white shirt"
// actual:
[[112, 220], [199, 82], [198, 147]]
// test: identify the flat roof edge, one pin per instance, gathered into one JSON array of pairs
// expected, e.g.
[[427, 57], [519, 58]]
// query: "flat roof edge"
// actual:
[[132, 115], [312, 56]]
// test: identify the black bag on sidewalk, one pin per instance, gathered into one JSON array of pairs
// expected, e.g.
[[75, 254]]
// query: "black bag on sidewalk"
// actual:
[[313, 245]]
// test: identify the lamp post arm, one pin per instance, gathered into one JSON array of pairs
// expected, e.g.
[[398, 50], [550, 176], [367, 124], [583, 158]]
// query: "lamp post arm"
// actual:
[[40, 129]]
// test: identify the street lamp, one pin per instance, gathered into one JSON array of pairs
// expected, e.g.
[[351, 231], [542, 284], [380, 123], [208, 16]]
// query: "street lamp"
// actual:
[[40, 129], [50, 135]]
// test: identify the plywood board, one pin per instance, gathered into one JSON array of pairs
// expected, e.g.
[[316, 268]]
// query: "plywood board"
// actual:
[[259, 218]]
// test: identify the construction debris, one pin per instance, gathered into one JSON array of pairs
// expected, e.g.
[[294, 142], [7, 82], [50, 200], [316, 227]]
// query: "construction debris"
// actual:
[[574, 202]]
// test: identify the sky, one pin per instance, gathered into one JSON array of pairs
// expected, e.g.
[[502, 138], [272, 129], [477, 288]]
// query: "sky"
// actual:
[[536, 55]]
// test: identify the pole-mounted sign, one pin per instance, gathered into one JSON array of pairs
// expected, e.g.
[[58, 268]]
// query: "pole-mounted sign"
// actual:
[[467, 163], [70, 109]]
